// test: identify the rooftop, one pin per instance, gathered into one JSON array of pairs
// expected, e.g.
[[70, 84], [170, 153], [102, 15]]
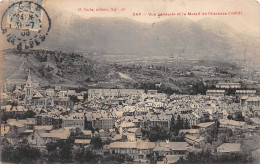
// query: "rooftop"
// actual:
[[82, 141], [231, 122], [229, 147], [206, 124], [137, 145]]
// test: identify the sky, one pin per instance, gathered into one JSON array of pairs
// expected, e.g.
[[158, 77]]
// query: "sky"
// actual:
[[247, 23]]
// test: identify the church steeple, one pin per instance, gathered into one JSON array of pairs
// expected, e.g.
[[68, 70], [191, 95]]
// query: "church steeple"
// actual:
[[29, 87], [29, 80]]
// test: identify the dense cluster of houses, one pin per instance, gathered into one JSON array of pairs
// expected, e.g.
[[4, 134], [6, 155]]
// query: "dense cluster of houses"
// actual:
[[119, 115]]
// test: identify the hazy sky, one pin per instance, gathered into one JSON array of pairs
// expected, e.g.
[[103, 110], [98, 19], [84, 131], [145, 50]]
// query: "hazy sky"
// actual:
[[248, 22]]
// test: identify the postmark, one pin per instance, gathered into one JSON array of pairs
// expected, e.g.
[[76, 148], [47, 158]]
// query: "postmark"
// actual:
[[25, 24]]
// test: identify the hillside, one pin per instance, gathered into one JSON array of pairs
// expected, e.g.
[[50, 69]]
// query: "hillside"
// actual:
[[52, 67]]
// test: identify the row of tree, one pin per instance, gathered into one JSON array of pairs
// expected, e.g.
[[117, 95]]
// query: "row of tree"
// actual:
[[11, 115], [208, 158], [21, 152], [177, 125]]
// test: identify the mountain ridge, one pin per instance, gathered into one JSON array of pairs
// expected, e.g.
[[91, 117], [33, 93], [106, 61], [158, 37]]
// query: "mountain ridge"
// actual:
[[200, 39]]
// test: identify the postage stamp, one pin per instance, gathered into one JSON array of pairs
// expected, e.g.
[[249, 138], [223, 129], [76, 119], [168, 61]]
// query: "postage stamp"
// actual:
[[24, 15], [25, 23]]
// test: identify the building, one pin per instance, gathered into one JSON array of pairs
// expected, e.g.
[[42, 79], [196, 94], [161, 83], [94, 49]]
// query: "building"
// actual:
[[103, 121], [46, 128], [15, 128], [41, 138], [39, 101], [140, 151], [50, 92], [48, 119], [34, 97], [196, 142], [228, 85], [136, 131], [229, 148], [193, 132], [207, 126], [241, 93], [65, 101], [171, 159], [82, 142], [233, 125], [215, 92], [253, 101], [162, 149], [113, 93], [4, 129], [255, 121], [162, 121], [74, 120]]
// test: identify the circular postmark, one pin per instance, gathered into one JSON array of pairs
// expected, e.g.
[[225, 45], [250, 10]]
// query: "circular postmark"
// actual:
[[25, 24]]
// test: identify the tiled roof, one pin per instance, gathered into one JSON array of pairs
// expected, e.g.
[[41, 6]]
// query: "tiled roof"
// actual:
[[55, 135], [137, 145], [194, 138], [229, 147], [82, 141], [231, 122], [206, 124], [46, 127]]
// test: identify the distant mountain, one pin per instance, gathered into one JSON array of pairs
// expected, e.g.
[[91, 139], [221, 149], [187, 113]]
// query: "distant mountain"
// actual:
[[205, 38]]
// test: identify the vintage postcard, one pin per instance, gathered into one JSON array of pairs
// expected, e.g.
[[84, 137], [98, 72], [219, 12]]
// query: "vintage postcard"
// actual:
[[130, 82]]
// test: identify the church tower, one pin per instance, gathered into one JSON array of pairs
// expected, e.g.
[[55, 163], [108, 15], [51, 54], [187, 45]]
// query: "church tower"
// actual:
[[28, 88]]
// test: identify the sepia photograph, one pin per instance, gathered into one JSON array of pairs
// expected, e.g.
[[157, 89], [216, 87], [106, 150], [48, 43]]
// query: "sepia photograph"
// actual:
[[130, 82]]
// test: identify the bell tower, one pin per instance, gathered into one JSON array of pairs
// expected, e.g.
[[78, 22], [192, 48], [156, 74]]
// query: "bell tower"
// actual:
[[28, 88]]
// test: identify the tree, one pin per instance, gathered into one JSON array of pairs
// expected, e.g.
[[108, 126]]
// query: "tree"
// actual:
[[65, 153], [88, 124], [114, 159], [28, 114], [186, 124], [74, 99], [207, 157], [79, 155], [51, 146], [21, 152], [91, 157], [172, 126], [4, 117], [208, 139], [229, 117], [85, 96], [96, 142], [179, 124], [217, 123], [239, 117], [157, 133], [117, 159], [176, 126]]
